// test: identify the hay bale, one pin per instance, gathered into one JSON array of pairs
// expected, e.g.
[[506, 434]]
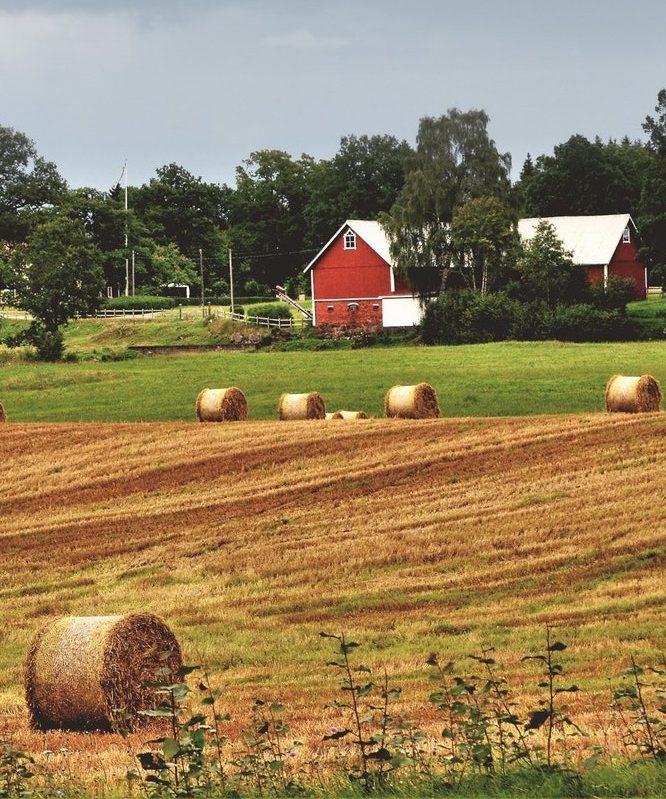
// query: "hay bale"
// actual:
[[349, 415], [301, 406], [88, 672], [633, 394], [221, 405], [411, 402], [3, 415], [330, 416]]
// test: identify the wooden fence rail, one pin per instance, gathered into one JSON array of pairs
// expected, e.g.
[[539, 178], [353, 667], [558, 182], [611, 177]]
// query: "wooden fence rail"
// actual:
[[220, 313]]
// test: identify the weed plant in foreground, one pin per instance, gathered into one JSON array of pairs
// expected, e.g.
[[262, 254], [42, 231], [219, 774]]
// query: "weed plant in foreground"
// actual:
[[479, 743]]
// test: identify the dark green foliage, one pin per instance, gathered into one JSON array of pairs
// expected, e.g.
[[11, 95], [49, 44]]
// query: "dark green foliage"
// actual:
[[465, 317], [455, 161], [178, 208], [546, 271], [485, 241], [584, 322], [56, 275], [614, 296], [28, 183], [584, 177], [267, 216], [145, 301], [48, 343], [360, 181]]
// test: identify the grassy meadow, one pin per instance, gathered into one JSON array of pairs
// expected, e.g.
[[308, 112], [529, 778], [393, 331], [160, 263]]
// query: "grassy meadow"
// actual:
[[502, 379]]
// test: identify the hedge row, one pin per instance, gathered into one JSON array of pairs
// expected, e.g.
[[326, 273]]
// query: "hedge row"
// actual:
[[468, 318]]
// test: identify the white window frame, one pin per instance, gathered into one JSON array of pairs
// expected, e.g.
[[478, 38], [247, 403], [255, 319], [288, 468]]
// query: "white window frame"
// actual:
[[349, 239], [626, 235]]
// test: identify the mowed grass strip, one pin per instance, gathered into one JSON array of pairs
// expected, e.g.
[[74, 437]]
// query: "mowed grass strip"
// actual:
[[410, 536], [501, 379]]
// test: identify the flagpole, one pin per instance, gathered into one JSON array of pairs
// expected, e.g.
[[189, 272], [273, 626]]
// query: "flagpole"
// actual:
[[126, 236]]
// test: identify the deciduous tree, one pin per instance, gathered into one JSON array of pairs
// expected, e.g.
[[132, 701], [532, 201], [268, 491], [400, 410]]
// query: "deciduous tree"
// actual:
[[362, 180], [56, 275], [652, 214], [546, 270], [485, 241], [455, 161], [28, 183]]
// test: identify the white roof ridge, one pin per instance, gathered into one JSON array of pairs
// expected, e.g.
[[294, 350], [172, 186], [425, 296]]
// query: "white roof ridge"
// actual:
[[592, 239], [369, 230]]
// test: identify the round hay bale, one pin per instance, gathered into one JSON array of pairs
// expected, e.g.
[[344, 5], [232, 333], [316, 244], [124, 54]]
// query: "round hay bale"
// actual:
[[221, 405], [89, 672], [301, 406], [411, 402], [633, 394], [3, 415], [349, 415], [330, 416]]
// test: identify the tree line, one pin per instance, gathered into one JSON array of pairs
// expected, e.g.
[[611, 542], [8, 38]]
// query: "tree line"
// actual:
[[447, 204]]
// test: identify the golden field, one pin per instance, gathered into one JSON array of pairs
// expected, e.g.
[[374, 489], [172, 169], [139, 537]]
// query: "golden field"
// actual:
[[249, 539]]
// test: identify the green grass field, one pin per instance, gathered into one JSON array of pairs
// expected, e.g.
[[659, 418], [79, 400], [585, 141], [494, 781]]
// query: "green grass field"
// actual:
[[501, 379]]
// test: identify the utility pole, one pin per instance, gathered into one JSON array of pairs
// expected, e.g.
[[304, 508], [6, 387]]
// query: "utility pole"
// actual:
[[231, 281], [126, 236], [203, 310], [133, 273]]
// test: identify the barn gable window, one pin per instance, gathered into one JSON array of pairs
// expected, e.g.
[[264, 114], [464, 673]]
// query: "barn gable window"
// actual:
[[626, 236], [350, 240]]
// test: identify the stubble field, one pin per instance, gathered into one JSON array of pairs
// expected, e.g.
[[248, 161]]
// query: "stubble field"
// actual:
[[411, 536]]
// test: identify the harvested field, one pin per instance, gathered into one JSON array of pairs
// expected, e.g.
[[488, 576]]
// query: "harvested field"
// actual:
[[413, 536]]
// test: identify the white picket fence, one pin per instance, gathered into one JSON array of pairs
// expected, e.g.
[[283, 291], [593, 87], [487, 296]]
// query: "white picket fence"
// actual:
[[112, 313], [220, 313], [260, 321]]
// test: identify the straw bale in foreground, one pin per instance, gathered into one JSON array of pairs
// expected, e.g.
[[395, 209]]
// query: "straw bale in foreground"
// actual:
[[630, 394], [411, 402], [88, 672], [349, 415], [301, 406], [221, 405]]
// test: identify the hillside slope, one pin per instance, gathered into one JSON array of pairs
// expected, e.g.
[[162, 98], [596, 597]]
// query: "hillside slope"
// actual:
[[250, 538]]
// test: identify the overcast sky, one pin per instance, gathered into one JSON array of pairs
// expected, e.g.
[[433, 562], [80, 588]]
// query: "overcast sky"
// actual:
[[203, 83]]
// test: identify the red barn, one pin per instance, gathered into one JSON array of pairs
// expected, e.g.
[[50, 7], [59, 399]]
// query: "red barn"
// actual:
[[354, 284], [604, 245]]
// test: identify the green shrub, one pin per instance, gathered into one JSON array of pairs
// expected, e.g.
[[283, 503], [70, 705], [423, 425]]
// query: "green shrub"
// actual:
[[222, 299], [272, 310], [467, 318], [489, 318], [48, 343], [614, 296], [443, 318], [584, 322], [140, 301]]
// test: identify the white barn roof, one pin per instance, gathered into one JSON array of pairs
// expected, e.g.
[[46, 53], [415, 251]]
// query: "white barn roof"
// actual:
[[592, 240], [372, 234]]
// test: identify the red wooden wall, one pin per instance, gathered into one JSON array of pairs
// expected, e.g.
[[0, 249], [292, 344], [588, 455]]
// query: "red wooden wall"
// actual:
[[624, 263], [351, 274]]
